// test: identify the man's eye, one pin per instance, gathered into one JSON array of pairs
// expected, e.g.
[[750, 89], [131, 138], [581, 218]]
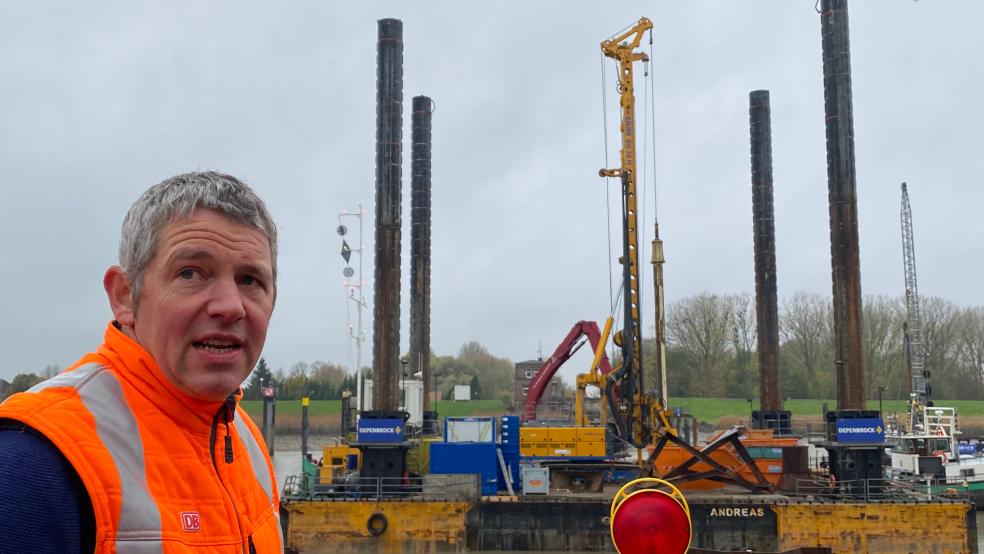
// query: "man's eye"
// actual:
[[248, 280], [187, 273]]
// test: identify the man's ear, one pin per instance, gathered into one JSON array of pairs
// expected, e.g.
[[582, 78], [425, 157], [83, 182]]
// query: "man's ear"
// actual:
[[120, 295]]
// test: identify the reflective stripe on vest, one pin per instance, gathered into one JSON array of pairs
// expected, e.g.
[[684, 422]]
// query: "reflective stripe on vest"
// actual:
[[256, 458], [139, 529], [258, 461]]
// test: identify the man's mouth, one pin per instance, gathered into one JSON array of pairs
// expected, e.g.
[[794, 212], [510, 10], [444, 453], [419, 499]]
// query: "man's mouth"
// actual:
[[217, 346]]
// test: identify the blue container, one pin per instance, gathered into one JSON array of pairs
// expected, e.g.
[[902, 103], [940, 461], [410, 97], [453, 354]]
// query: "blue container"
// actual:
[[470, 429], [465, 458]]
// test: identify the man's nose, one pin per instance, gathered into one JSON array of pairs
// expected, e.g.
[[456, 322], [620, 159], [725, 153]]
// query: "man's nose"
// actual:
[[226, 301]]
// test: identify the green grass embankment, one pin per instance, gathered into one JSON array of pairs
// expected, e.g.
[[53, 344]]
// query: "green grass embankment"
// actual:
[[324, 416], [293, 407], [712, 409], [466, 408]]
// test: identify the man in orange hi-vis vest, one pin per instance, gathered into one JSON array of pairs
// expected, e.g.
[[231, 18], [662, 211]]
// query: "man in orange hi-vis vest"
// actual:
[[141, 446]]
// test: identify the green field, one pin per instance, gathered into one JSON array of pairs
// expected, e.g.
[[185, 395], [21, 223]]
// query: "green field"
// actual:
[[461, 408], [705, 409], [318, 407]]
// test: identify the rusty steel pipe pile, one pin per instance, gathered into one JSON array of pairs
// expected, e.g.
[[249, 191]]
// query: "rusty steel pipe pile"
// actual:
[[389, 129], [841, 184], [420, 240], [764, 232]]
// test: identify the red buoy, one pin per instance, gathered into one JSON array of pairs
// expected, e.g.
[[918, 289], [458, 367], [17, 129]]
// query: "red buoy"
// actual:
[[650, 521]]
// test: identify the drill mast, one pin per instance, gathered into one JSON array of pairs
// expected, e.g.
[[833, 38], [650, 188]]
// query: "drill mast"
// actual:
[[627, 380]]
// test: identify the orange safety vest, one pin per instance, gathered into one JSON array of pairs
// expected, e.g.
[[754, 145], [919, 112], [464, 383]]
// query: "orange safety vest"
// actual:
[[166, 473]]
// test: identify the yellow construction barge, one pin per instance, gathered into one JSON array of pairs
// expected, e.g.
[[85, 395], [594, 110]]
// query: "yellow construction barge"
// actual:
[[578, 522]]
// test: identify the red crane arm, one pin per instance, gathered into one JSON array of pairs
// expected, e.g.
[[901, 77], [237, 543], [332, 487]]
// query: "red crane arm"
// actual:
[[563, 352]]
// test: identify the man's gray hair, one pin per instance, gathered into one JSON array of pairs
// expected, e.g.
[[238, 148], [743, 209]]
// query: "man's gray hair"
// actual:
[[179, 197]]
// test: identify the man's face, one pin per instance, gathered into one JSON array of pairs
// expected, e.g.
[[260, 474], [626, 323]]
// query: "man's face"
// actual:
[[206, 301]]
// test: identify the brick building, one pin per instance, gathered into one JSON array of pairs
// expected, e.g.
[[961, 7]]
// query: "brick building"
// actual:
[[552, 404]]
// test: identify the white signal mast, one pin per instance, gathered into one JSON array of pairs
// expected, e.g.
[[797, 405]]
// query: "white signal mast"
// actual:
[[354, 289]]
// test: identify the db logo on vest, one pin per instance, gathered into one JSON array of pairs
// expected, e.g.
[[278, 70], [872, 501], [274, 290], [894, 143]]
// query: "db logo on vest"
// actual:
[[191, 521]]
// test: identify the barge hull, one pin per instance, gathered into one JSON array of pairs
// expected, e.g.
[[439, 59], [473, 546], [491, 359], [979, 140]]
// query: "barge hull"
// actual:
[[724, 523]]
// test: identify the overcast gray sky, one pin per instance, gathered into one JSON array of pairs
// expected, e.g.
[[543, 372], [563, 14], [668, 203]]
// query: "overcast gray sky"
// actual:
[[99, 100]]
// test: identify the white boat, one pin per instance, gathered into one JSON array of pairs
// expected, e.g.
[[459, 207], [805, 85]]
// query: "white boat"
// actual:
[[929, 452]]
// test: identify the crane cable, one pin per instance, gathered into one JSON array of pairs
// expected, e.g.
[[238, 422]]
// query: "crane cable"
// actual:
[[652, 115], [645, 165], [649, 180], [608, 188], [614, 294]]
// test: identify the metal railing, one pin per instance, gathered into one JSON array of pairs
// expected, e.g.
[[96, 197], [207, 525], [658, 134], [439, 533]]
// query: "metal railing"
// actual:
[[549, 411], [960, 484], [873, 490], [799, 427], [433, 487]]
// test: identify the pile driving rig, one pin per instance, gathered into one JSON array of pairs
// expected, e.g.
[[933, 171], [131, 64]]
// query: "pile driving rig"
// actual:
[[640, 418]]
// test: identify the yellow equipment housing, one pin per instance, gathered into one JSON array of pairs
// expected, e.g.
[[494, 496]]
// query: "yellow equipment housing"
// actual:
[[335, 462], [544, 442]]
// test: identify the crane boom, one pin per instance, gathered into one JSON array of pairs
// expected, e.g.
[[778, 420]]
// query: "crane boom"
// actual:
[[915, 355], [587, 330]]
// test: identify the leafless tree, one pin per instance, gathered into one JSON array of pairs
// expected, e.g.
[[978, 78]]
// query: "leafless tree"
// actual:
[[50, 371], [327, 375], [495, 375], [743, 343], [883, 345], [701, 327], [941, 344], [806, 328], [972, 349]]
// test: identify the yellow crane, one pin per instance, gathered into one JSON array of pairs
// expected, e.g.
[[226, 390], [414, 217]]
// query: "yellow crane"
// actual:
[[641, 418], [634, 411]]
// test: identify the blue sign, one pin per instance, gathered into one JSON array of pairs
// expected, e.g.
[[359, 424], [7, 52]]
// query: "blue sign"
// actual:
[[967, 448], [865, 430], [381, 430]]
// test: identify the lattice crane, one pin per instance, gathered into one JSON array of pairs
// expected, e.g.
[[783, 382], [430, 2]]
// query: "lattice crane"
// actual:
[[919, 389]]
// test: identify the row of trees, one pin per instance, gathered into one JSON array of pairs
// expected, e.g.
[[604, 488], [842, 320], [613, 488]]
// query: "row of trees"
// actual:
[[490, 377], [711, 348], [711, 352], [317, 380], [23, 381]]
